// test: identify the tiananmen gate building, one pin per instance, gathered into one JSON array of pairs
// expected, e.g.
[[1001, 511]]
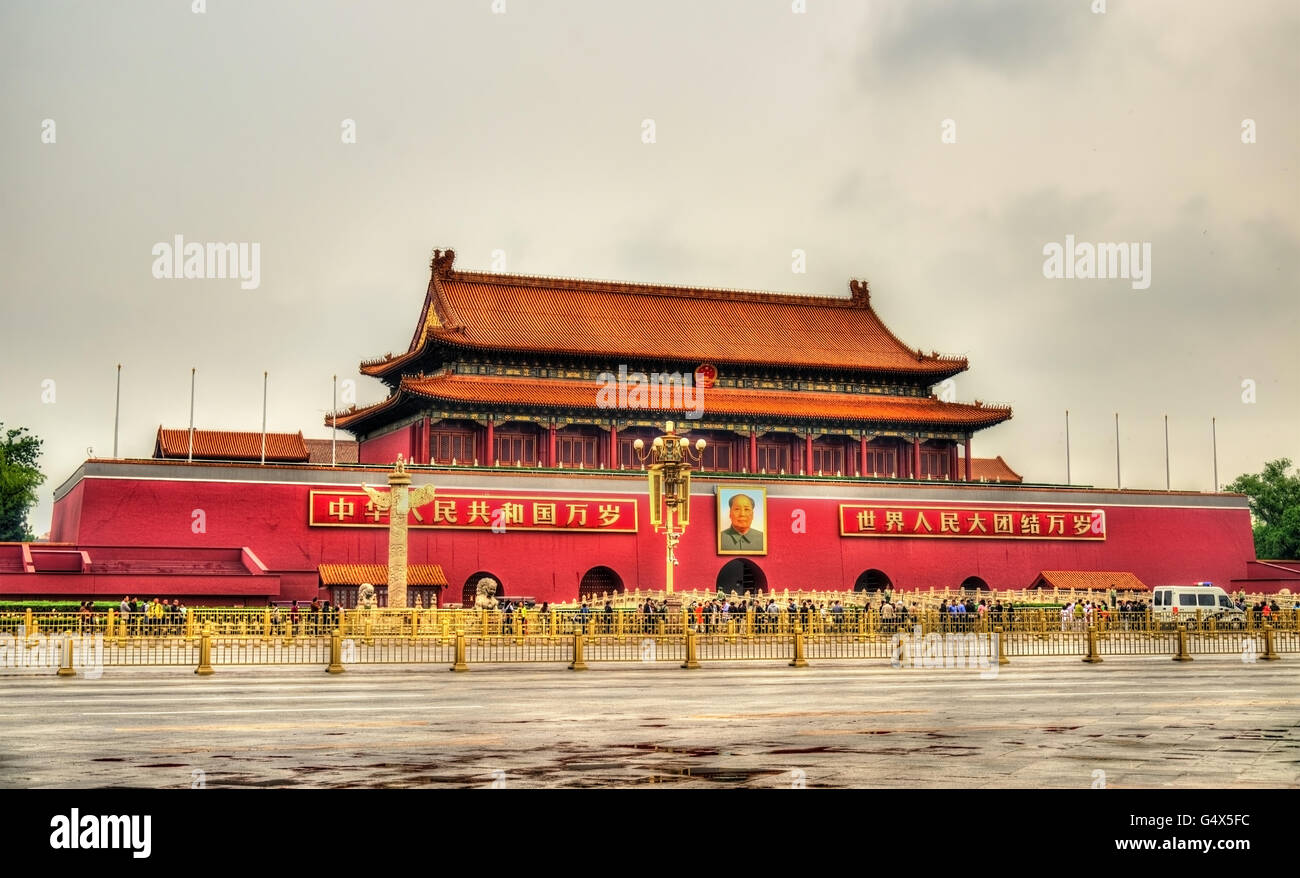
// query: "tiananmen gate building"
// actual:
[[521, 399]]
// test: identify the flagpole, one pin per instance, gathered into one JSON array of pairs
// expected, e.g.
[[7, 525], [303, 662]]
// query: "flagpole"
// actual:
[[117, 408], [1118, 483], [190, 458], [263, 419], [1166, 452], [1067, 446], [334, 429], [1214, 439]]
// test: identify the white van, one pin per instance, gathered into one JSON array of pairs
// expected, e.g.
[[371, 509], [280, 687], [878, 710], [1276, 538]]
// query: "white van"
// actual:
[[1180, 603]]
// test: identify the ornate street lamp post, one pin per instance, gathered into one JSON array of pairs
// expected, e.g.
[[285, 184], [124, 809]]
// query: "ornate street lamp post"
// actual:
[[670, 457]]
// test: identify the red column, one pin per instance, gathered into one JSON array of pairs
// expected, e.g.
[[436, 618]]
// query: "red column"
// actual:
[[968, 478], [952, 461], [550, 443], [807, 457], [753, 451], [613, 446], [424, 443], [916, 457], [490, 457], [862, 463]]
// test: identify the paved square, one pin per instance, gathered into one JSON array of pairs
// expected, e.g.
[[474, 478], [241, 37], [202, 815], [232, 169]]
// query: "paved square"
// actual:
[[1129, 722]]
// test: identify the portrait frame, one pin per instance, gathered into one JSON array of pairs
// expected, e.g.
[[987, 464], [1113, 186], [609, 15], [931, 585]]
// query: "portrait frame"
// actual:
[[722, 520]]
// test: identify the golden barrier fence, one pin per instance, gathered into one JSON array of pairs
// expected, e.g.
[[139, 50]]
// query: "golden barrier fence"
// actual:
[[923, 598], [243, 637], [46, 652], [443, 624]]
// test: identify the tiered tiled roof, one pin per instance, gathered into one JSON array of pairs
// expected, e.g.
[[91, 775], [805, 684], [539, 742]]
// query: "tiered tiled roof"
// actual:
[[992, 469], [231, 445], [543, 393], [377, 574], [626, 321]]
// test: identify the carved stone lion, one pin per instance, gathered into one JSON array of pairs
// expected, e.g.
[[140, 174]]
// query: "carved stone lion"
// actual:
[[487, 589], [366, 597]]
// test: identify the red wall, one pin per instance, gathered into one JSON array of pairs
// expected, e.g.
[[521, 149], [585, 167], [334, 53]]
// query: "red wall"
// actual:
[[195, 589], [67, 514], [384, 449], [1159, 544]]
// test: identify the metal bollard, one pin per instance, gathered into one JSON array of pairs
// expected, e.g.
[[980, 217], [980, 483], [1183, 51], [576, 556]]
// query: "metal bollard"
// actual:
[[1002, 647], [1094, 654], [336, 653], [692, 662], [65, 663], [205, 653], [1182, 655], [578, 664], [799, 660], [460, 663], [1270, 653]]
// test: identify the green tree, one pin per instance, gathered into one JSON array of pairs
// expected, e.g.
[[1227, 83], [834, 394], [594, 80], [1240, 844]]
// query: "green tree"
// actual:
[[19, 479], [1274, 498]]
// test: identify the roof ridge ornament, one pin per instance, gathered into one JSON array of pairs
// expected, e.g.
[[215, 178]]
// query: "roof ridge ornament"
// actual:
[[442, 261], [861, 293]]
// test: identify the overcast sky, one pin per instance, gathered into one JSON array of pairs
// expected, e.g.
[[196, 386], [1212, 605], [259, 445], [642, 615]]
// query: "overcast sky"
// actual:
[[773, 131]]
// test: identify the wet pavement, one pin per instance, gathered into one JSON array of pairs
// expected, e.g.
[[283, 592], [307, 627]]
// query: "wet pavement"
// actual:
[[1041, 722]]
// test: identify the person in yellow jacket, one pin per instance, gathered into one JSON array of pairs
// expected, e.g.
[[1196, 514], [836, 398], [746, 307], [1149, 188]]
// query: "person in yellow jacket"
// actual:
[[155, 615]]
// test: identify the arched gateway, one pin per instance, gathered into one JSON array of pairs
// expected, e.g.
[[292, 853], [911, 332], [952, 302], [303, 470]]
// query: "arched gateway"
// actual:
[[873, 580], [469, 593], [598, 581], [742, 576]]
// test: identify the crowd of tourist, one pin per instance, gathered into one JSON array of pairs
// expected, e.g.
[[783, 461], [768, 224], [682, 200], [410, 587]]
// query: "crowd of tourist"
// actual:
[[889, 613]]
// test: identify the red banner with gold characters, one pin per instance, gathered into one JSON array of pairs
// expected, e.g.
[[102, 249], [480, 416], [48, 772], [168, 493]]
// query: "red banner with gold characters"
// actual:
[[481, 511], [871, 520]]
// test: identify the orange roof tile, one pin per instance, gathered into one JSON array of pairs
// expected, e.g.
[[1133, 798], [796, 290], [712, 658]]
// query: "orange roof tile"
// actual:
[[568, 394], [319, 450], [231, 445], [377, 574], [1101, 580], [619, 321], [992, 469]]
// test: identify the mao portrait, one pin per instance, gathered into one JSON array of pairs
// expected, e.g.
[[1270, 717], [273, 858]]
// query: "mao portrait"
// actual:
[[742, 518]]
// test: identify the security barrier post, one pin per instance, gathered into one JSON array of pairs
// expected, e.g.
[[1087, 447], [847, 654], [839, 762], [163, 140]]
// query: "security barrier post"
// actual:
[[336, 653], [460, 664], [1270, 654], [1182, 655], [65, 663], [1002, 647], [1094, 655], [205, 653], [112, 620], [799, 660], [691, 663], [578, 664]]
